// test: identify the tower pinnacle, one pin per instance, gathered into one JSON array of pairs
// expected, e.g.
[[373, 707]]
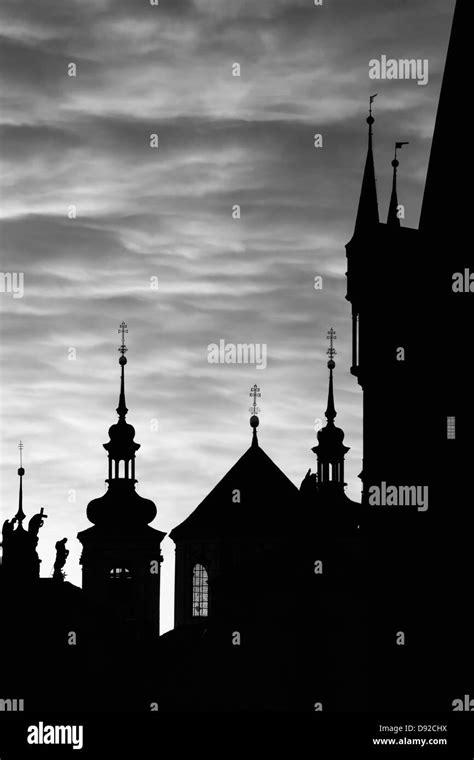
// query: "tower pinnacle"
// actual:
[[331, 413], [122, 407], [254, 410], [368, 213], [393, 219], [20, 515]]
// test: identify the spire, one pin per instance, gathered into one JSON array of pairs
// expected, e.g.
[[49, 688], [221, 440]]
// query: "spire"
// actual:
[[20, 515], [121, 508], [330, 412], [254, 410], [393, 219], [368, 213], [122, 447], [330, 449], [122, 407]]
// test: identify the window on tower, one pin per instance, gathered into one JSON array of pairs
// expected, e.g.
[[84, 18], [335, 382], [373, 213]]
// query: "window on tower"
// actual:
[[200, 591], [120, 573]]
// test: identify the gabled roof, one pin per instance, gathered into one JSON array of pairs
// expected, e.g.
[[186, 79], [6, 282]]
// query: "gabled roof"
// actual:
[[268, 500]]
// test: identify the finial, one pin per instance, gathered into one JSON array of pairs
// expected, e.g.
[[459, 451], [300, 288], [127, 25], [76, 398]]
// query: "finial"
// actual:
[[20, 515], [254, 410], [20, 448], [331, 409], [398, 145], [123, 348], [370, 118], [331, 336], [393, 218], [122, 407]]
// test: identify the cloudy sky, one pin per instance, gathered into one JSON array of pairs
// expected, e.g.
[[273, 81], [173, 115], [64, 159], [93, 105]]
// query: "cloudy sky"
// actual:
[[144, 213]]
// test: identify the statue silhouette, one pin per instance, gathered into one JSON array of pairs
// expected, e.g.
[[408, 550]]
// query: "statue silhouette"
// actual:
[[36, 522], [60, 561]]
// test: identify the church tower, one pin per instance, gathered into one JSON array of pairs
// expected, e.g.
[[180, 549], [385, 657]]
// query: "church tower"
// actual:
[[333, 544], [411, 297], [121, 554], [239, 614]]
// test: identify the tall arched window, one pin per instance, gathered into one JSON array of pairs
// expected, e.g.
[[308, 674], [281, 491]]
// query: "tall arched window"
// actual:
[[200, 591]]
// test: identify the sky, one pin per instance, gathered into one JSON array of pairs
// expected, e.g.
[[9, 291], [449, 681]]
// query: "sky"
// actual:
[[154, 241]]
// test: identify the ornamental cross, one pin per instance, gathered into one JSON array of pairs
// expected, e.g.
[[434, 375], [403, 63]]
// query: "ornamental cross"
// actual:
[[123, 329], [21, 447], [331, 338], [254, 393]]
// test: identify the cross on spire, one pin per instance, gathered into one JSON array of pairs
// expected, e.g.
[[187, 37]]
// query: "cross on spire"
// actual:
[[123, 329], [331, 336], [254, 393]]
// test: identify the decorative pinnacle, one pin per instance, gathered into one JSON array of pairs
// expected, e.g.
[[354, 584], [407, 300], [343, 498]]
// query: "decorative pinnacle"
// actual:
[[370, 118], [331, 336], [398, 145], [20, 515], [21, 447], [254, 410], [123, 348], [122, 407], [254, 393]]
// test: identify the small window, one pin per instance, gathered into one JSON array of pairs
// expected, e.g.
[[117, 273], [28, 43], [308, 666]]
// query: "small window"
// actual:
[[122, 573], [200, 591], [451, 428]]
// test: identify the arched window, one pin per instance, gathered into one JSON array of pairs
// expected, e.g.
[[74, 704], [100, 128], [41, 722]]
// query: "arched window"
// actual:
[[200, 591]]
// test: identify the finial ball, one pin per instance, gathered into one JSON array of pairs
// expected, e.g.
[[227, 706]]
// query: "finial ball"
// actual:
[[254, 421], [122, 360], [331, 364], [21, 471], [370, 119], [395, 163]]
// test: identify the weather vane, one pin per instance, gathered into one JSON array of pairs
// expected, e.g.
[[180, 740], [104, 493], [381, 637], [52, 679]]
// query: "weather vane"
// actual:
[[254, 393], [371, 100], [399, 145], [123, 329], [331, 352]]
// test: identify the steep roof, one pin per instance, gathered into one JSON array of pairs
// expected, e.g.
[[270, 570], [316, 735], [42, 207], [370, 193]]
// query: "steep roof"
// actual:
[[267, 502]]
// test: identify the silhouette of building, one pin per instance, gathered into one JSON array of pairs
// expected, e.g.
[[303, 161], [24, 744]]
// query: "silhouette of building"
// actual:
[[121, 555], [334, 573], [236, 592], [410, 332], [287, 599]]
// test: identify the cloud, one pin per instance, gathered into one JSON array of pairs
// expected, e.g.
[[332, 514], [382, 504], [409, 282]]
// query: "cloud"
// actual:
[[163, 216]]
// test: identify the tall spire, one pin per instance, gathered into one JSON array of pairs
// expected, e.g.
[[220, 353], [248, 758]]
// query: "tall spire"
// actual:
[[330, 449], [122, 447], [121, 506], [331, 413], [393, 219], [20, 515], [254, 410], [368, 212], [122, 407]]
